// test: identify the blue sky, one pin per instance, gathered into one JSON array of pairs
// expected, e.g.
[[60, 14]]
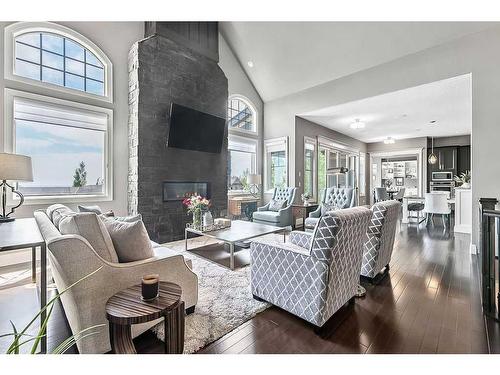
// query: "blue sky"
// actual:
[[56, 152]]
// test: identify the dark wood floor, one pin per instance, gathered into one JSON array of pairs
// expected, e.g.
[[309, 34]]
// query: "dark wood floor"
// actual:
[[428, 303]]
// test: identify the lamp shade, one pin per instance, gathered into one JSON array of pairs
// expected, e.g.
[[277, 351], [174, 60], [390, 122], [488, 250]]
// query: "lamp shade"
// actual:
[[15, 167], [254, 179]]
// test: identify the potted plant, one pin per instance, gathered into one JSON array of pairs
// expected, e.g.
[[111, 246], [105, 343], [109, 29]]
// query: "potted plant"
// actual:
[[305, 198], [196, 205], [463, 180]]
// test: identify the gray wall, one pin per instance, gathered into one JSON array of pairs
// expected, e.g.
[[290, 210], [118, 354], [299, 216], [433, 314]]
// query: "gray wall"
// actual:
[[401, 144], [115, 39], [306, 128], [475, 53]]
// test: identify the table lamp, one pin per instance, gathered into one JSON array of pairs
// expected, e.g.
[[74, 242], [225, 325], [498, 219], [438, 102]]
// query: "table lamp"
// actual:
[[13, 168], [254, 180]]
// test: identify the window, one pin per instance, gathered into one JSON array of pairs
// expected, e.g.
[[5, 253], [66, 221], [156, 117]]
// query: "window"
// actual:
[[276, 162], [310, 166], [69, 143], [241, 115], [241, 163], [51, 55]]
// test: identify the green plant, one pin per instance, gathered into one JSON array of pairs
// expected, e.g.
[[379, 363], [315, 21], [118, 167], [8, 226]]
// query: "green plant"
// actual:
[[21, 338], [80, 176], [464, 178]]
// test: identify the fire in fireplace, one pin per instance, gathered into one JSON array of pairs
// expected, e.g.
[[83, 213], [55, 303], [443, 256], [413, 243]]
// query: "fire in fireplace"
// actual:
[[178, 190]]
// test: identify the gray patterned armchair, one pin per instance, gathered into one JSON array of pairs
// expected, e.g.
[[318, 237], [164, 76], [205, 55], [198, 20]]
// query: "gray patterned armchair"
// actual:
[[281, 218], [312, 275], [338, 197], [377, 250]]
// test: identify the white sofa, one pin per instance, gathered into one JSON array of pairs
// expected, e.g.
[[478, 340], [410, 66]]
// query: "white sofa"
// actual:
[[72, 257]]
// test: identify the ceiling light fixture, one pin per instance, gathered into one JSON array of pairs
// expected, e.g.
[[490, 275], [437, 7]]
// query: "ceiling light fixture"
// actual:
[[389, 141], [357, 124], [250, 64], [432, 159]]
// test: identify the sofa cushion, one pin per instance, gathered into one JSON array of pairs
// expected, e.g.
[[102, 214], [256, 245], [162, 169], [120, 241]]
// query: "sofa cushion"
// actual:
[[126, 219], [271, 216], [275, 205], [311, 222], [90, 227], [50, 210], [130, 239], [95, 209]]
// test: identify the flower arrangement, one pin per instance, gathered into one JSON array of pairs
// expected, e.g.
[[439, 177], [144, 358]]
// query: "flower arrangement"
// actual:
[[305, 198], [196, 204], [463, 179]]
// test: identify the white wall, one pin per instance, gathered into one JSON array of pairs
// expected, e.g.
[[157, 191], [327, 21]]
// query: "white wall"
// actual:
[[477, 54], [115, 39]]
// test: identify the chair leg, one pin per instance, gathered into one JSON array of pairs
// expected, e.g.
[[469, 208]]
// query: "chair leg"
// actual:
[[258, 298]]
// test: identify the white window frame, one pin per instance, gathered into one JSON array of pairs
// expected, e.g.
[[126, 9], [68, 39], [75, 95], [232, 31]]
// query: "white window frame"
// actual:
[[12, 31], [241, 139], [254, 116], [314, 143], [270, 143], [10, 141]]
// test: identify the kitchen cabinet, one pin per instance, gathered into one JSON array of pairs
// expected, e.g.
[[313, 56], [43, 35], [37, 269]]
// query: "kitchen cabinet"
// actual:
[[447, 158], [463, 159]]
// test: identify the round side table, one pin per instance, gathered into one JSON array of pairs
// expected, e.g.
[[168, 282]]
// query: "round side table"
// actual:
[[126, 308]]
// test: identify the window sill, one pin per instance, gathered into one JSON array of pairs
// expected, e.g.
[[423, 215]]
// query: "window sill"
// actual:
[[32, 201]]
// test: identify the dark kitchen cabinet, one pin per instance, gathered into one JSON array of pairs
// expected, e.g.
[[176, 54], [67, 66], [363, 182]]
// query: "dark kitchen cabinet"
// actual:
[[463, 159], [447, 158]]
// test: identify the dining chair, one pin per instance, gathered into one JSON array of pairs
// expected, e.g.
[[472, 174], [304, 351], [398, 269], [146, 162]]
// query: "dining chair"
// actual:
[[381, 194], [399, 196], [436, 203]]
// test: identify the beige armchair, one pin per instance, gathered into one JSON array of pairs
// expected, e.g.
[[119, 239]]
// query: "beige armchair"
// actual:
[[72, 257]]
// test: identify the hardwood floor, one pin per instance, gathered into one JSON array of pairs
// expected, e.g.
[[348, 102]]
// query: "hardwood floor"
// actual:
[[428, 303]]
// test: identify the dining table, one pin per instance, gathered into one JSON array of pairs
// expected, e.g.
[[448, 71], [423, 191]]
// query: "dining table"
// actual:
[[413, 198]]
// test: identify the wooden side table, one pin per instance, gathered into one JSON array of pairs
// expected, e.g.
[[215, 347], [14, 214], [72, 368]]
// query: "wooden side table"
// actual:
[[300, 211], [126, 308]]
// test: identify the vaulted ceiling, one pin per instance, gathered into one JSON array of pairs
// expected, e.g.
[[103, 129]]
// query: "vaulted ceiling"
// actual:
[[289, 57]]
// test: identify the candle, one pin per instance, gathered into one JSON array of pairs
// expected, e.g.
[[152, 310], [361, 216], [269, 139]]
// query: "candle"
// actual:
[[150, 287]]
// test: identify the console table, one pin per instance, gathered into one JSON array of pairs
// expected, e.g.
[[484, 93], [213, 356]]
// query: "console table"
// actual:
[[127, 307], [301, 211], [23, 234]]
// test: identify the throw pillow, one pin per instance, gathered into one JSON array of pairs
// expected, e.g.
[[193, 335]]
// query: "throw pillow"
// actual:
[[128, 219], [130, 239], [276, 205], [90, 227], [328, 207], [95, 209]]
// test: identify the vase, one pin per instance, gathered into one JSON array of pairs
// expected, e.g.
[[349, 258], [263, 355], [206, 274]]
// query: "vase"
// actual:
[[465, 185], [197, 219], [207, 219]]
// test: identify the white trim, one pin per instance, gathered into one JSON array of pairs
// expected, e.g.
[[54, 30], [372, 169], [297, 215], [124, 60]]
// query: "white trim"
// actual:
[[311, 141], [327, 142], [9, 146], [473, 249], [275, 142], [19, 28], [250, 105]]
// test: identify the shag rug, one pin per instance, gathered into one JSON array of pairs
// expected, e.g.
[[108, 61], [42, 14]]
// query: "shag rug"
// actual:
[[224, 303]]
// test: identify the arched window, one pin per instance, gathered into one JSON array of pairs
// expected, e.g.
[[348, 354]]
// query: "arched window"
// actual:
[[241, 115], [55, 55]]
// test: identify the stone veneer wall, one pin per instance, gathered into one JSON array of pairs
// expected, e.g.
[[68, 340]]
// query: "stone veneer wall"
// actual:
[[162, 71]]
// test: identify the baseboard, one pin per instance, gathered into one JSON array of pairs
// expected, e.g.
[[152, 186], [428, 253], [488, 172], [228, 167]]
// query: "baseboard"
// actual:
[[473, 249]]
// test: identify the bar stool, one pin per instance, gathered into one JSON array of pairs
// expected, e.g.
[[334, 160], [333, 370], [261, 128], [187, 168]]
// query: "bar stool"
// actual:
[[418, 208]]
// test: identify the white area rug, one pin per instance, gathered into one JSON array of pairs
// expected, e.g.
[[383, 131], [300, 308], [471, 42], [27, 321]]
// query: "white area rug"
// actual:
[[224, 303]]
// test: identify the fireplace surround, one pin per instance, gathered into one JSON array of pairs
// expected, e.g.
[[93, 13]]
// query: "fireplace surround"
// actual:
[[176, 62]]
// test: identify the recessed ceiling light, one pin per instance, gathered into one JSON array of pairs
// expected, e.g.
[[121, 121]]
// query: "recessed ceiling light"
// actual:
[[357, 124], [432, 122], [389, 141], [250, 64]]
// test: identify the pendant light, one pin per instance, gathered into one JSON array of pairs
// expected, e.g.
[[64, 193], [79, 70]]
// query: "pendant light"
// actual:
[[432, 159]]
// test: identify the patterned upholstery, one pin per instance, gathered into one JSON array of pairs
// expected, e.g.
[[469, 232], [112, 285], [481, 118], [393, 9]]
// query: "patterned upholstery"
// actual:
[[379, 243], [313, 275], [334, 197], [281, 218]]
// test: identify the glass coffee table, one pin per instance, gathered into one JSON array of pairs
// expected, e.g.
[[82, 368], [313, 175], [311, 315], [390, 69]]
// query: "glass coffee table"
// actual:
[[238, 232]]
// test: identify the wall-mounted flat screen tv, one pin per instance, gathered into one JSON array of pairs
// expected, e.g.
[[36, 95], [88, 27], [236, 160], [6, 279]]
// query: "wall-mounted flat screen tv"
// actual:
[[194, 130]]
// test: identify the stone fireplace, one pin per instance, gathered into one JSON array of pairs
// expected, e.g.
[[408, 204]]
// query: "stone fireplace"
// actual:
[[177, 62]]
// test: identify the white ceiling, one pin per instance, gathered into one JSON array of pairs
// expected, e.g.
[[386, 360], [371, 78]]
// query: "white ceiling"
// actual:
[[405, 113], [291, 56]]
